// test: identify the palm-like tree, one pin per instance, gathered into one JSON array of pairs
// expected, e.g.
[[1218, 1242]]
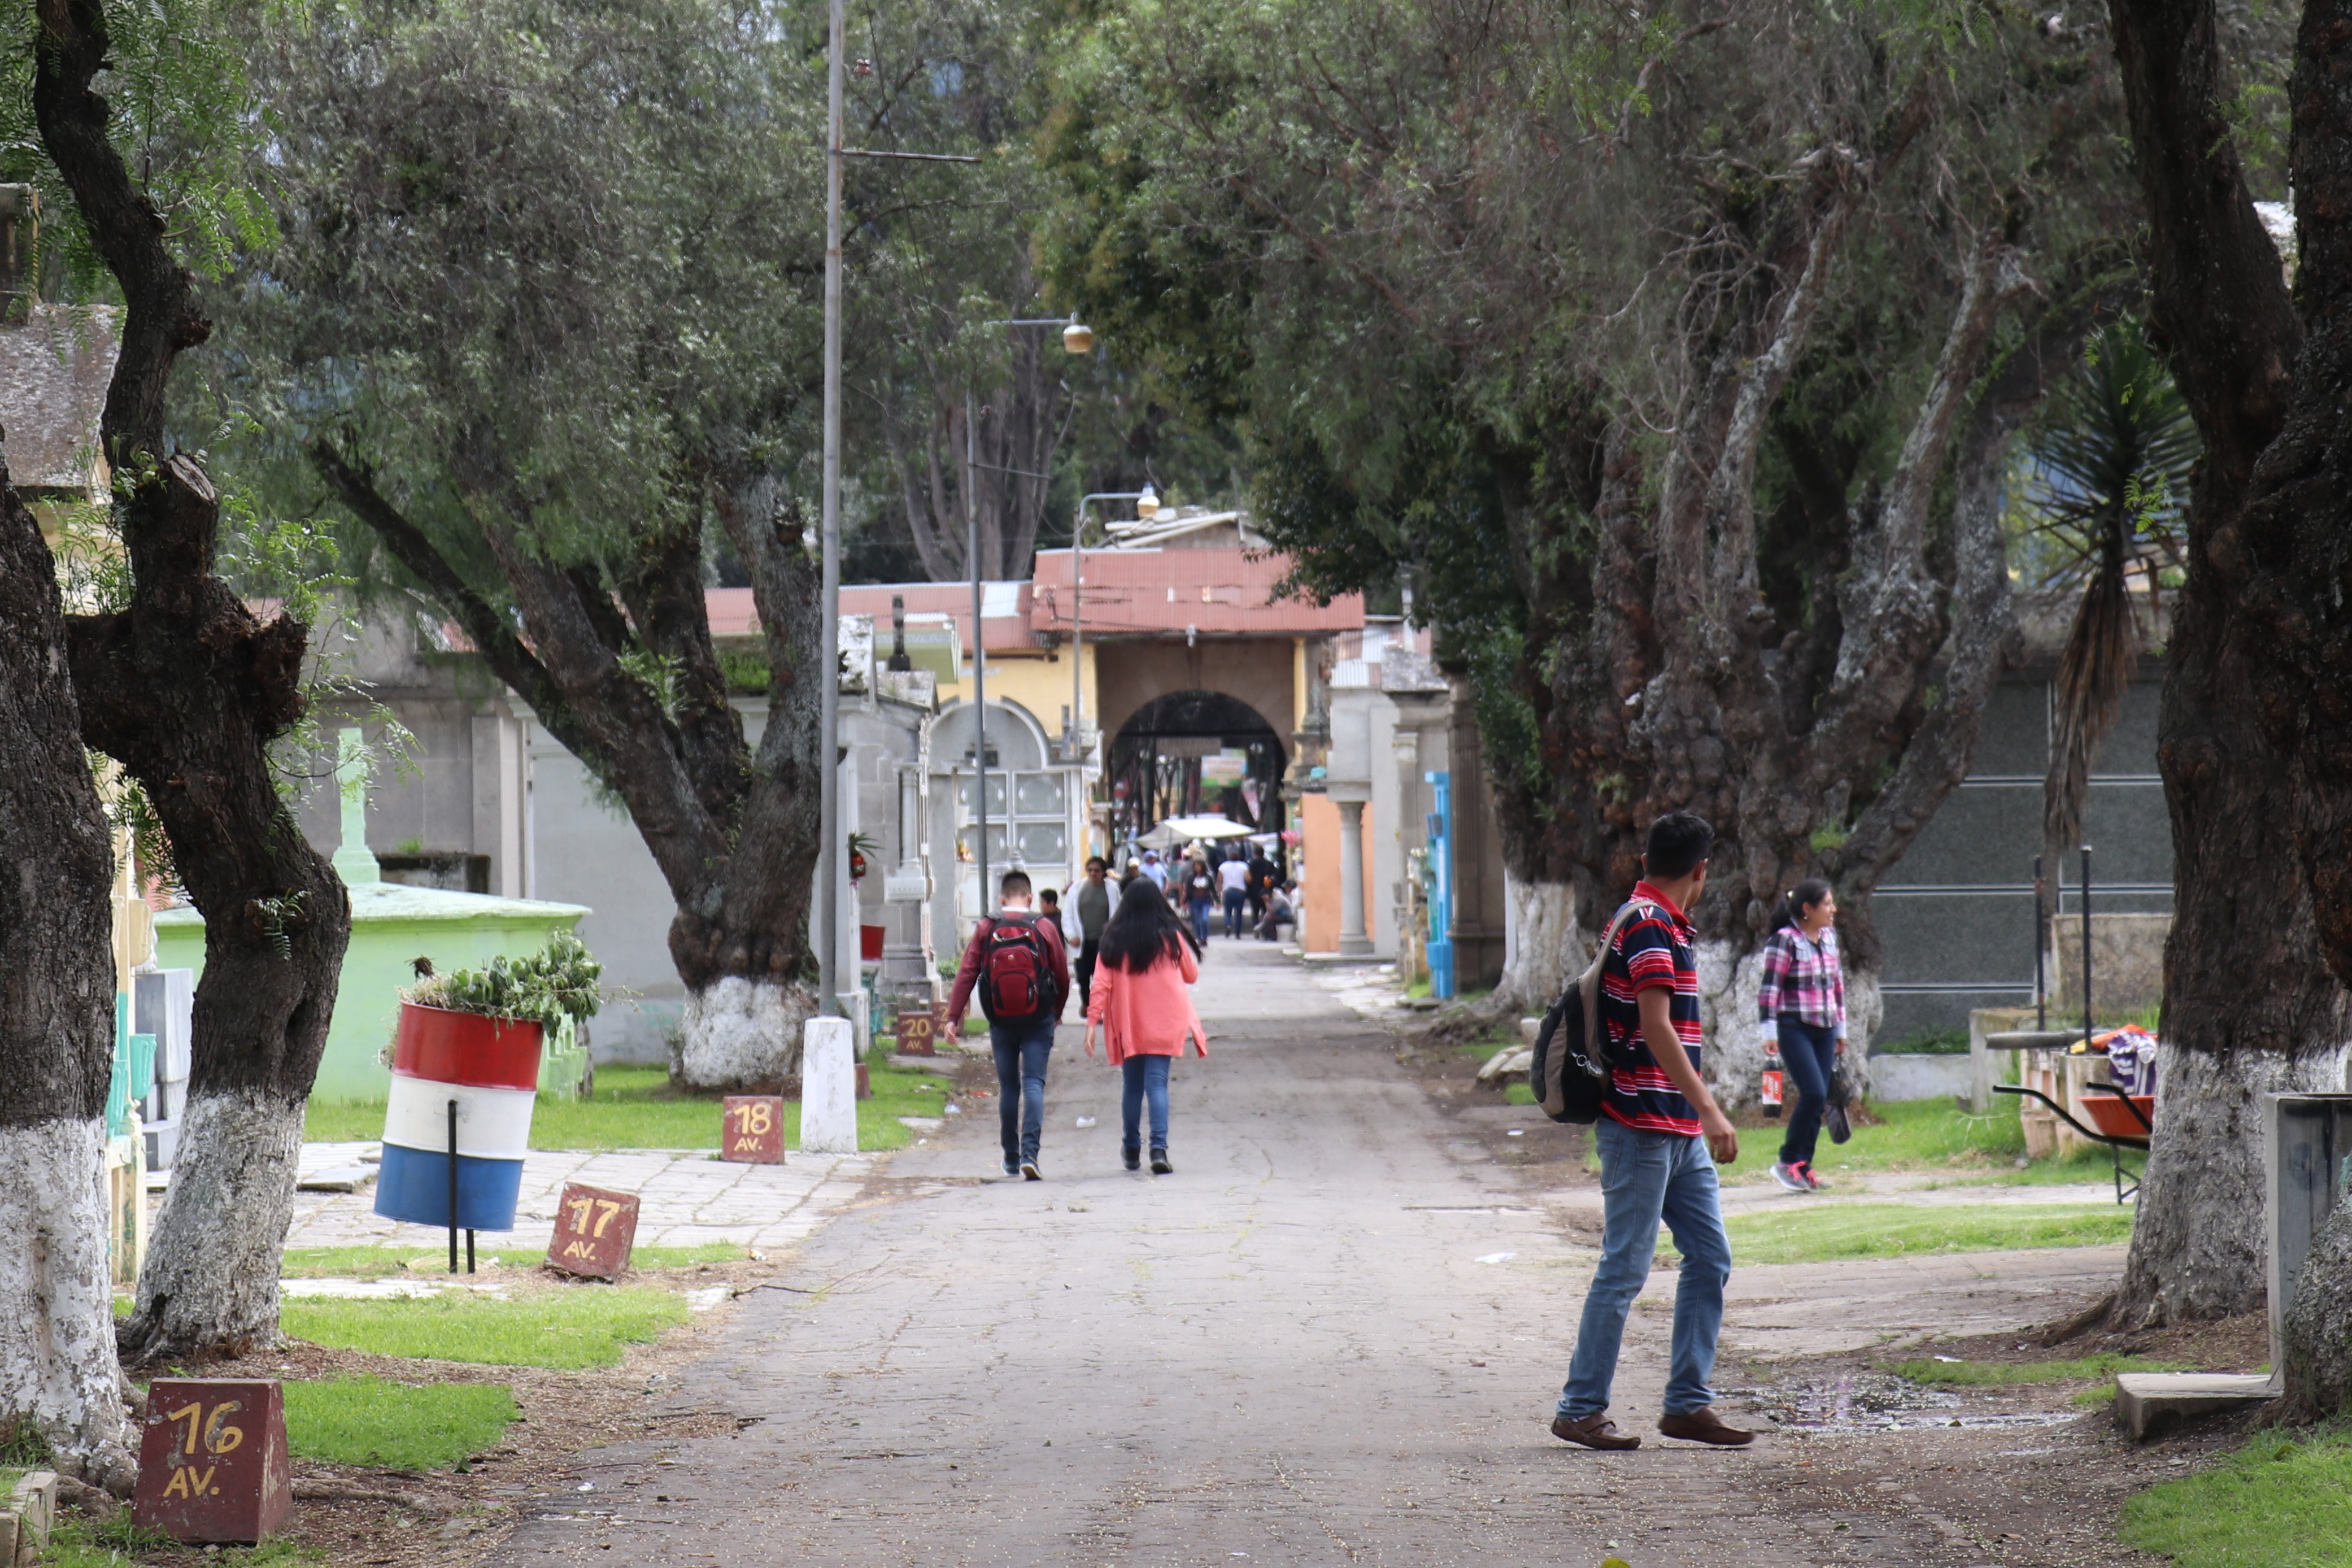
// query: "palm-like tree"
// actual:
[[2109, 478]]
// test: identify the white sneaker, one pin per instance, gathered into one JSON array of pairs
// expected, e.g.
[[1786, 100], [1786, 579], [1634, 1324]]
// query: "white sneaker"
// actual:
[[1791, 1178]]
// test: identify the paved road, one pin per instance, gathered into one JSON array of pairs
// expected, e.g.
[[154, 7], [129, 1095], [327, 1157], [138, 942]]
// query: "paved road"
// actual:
[[1294, 1351]]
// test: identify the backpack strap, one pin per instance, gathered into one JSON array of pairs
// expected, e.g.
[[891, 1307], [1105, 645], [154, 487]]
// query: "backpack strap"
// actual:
[[1591, 982]]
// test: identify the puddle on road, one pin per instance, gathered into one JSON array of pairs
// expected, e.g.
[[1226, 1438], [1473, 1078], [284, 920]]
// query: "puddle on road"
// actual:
[[1881, 1402]]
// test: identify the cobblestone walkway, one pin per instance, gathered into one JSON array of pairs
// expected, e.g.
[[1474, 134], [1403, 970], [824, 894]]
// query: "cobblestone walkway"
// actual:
[[689, 1198]]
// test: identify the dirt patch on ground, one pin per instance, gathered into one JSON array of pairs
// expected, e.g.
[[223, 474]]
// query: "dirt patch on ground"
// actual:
[[397, 1519]]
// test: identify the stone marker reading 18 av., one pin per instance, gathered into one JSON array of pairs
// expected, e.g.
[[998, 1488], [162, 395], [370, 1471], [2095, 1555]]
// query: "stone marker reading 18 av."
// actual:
[[594, 1231], [751, 1128], [916, 1033], [213, 1464]]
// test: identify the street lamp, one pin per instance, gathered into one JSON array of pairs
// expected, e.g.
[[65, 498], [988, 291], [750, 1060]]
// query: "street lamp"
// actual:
[[828, 912], [1147, 507], [1077, 338]]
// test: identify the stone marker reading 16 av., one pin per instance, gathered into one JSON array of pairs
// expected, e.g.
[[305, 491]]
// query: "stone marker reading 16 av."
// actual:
[[213, 1464]]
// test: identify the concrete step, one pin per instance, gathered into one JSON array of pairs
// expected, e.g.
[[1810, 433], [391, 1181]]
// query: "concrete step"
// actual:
[[2151, 1403]]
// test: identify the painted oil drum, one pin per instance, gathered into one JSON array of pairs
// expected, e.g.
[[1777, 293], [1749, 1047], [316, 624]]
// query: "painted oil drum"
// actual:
[[490, 1067]]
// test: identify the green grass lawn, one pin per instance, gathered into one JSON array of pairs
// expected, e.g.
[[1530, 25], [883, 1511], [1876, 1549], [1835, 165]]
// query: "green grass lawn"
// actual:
[[118, 1543], [1823, 1233], [1988, 1373], [635, 1108], [565, 1327], [381, 1262], [1931, 1136], [2278, 1502], [393, 1425]]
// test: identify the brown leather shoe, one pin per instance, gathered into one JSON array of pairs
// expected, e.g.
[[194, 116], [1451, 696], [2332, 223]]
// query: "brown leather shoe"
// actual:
[[1594, 1431], [1704, 1425]]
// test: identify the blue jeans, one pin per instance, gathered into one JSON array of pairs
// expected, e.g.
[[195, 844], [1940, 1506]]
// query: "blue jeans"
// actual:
[[1200, 922], [1020, 1052], [1646, 1177], [1809, 1054], [1237, 902], [1145, 1078]]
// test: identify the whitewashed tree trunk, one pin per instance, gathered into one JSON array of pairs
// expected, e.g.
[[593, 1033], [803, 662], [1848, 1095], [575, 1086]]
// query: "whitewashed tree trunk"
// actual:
[[1728, 990], [2197, 1244], [56, 1298], [1542, 945], [211, 1275], [740, 1034]]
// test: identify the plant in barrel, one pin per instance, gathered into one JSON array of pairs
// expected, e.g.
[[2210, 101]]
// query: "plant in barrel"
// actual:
[[465, 1075]]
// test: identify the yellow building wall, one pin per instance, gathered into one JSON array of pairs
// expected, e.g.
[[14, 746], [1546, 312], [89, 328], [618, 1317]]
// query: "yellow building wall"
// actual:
[[1038, 682]]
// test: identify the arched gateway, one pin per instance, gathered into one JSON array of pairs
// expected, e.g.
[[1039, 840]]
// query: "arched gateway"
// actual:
[[1194, 751]]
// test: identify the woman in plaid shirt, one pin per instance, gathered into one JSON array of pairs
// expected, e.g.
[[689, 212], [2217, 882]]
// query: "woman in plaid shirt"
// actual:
[[1803, 1004]]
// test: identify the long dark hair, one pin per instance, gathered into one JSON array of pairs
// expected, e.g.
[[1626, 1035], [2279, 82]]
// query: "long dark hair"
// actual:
[[1144, 929], [1798, 899]]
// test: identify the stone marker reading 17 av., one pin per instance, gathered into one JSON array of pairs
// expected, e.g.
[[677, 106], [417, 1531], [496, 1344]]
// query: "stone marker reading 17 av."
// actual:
[[213, 1464], [751, 1128], [594, 1232]]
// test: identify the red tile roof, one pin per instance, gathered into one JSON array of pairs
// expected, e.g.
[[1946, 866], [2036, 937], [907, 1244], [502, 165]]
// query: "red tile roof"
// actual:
[[1213, 590]]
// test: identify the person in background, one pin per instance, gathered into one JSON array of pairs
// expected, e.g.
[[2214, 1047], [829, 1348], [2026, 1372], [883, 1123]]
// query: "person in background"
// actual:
[[1660, 1137], [1017, 963], [1155, 870], [1049, 908], [1200, 897], [1094, 901], [1803, 1007], [1262, 879], [1144, 1014], [1233, 885], [1279, 911]]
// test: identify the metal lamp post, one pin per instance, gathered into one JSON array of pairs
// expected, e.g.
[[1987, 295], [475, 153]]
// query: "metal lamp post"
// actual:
[[1147, 507], [828, 900], [1076, 339]]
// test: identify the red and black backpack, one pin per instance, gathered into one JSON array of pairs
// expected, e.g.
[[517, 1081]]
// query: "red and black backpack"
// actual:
[[1016, 979]]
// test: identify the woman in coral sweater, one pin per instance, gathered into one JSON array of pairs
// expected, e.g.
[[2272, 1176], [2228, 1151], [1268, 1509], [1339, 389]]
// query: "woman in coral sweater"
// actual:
[[1146, 1014]]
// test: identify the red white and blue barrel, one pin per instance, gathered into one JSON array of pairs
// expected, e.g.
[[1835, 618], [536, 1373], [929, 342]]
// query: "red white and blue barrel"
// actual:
[[490, 1066]]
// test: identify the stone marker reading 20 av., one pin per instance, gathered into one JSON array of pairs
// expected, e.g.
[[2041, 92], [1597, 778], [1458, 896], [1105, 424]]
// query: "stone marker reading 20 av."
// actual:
[[916, 1033], [594, 1232], [751, 1128], [213, 1464]]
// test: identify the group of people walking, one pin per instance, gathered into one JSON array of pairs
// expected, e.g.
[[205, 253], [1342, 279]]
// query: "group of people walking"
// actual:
[[1136, 959], [1249, 888], [1659, 1138]]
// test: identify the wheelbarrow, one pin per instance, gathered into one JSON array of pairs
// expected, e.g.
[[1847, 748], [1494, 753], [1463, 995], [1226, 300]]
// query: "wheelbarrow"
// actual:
[[2119, 1119]]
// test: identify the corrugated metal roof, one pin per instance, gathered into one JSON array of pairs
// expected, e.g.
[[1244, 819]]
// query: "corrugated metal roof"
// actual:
[[54, 372]]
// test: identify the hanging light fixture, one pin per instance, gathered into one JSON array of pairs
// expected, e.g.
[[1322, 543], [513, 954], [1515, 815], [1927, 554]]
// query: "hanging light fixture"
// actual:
[[1147, 504], [1077, 337]]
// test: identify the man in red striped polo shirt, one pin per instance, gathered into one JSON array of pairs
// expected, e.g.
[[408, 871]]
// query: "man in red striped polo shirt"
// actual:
[[1659, 1138]]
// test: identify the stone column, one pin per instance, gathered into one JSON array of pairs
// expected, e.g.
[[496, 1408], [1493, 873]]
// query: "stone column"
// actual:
[[1353, 941]]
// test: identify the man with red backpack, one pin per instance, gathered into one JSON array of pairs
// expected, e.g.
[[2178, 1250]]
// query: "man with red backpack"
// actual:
[[1020, 965]]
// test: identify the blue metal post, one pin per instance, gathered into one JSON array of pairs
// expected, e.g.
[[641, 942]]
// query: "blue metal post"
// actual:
[[1440, 893]]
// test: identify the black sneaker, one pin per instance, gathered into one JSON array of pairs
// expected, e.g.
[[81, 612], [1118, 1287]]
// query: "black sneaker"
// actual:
[[1160, 1165], [1011, 1169], [1029, 1170], [1134, 1158]]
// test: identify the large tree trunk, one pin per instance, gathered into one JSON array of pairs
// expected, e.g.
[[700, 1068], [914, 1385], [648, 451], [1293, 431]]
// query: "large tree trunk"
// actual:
[[2250, 1005], [733, 828], [188, 689], [57, 1370]]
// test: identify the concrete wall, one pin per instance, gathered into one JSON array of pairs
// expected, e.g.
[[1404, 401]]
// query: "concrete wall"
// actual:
[[1132, 671]]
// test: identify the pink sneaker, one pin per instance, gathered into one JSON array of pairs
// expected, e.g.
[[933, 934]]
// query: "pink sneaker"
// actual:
[[1804, 1168]]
